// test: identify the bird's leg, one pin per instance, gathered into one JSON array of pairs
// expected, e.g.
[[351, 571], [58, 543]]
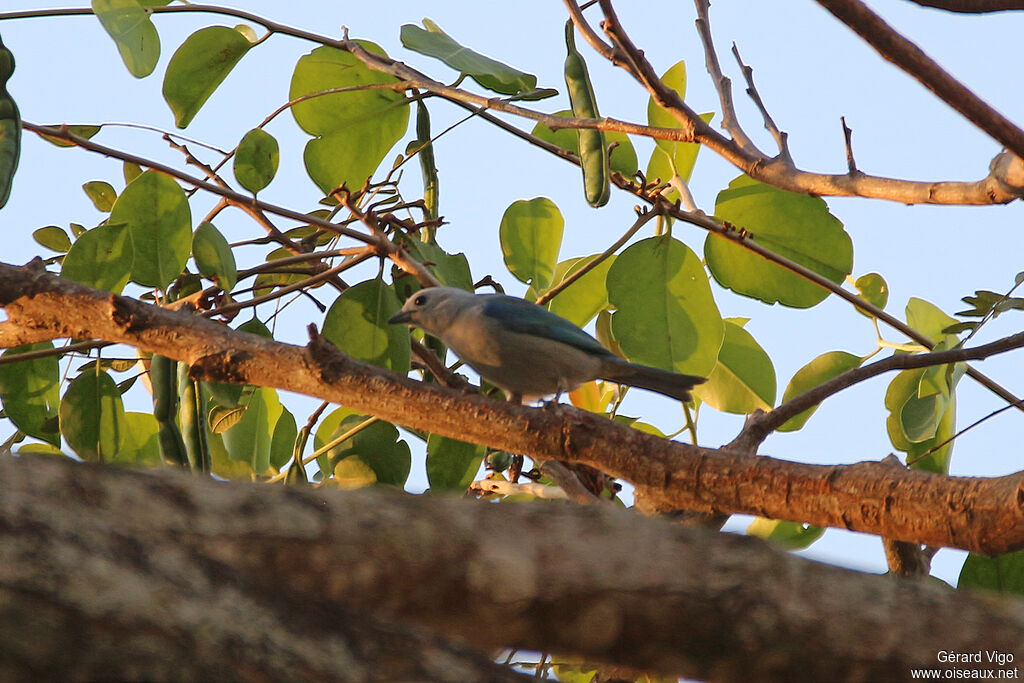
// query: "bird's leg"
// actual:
[[516, 468], [550, 405]]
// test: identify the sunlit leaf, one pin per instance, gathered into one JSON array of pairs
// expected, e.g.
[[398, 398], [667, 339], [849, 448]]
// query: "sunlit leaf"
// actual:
[[1003, 574], [665, 314], [101, 258], [873, 289], [160, 224], [101, 193], [256, 160], [128, 23], [53, 237], [198, 66], [531, 235], [820, 370], [213, 256], [353, 131], [357, 323], [796, 226], [743, 380], [488, 72], [790, 535]]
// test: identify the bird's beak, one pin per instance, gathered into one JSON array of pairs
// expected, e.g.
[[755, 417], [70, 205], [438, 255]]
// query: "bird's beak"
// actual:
[[400, 317]]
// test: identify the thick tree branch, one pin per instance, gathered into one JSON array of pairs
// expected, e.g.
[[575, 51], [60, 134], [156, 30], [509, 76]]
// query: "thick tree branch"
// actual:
[[133, 555], [980, 514], [912, 59], [1004, 183], [972, 6]]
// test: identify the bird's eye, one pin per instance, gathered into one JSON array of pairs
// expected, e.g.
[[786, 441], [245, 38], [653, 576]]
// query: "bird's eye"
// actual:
[[420, 300]]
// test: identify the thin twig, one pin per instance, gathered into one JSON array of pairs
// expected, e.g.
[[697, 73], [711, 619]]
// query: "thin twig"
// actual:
[[643, 217], [891, 45], [851, 163], [730, 121], [781, 138], [759, 426]]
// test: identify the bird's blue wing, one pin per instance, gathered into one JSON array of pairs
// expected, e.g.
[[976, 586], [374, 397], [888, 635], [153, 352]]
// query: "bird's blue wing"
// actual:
[[519, 315]]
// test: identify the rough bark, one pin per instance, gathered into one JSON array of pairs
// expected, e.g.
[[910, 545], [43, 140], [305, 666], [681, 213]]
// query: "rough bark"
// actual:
[[115, 573], [983, 515]]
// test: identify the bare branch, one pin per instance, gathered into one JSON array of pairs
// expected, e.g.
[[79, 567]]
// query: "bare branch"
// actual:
[[972, 6], [851, 163], [912, 59], [769, 123], [759, 426], [730, 121]]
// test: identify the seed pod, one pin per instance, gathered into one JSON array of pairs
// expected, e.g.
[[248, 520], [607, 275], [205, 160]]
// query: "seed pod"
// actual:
[[10, 127], [593, 148]]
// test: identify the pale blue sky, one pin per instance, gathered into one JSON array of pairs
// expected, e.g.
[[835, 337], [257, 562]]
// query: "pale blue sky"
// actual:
[[809, 69]]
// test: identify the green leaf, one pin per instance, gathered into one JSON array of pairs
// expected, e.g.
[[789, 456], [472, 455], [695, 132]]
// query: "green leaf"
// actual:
[[53, 237], [141, 443], [374, 455], [793, 225], [1003, 574], [452, 270], [250, 439], [283, 443], [928, 319], [101, 193], [674, 78], [198, 66], [30, 392], [531, 234], [92, 417], [452, 464], [820, 370], [790, 535], [256, 160], [100, 258], [354, 130], [916, 425], [86, 132], [583, 299], [671, 158], [134, 34], [491, 74], [131, 171], [213, 256], [743, 380], [666, 316], [160, 223], [623, 159], [357, 323], [873, 289]]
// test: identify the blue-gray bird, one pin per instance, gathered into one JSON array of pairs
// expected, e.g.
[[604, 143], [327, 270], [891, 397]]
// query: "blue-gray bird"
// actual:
[[524, 349]]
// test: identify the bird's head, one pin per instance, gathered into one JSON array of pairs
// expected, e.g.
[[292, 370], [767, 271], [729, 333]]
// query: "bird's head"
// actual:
[[433, 308]]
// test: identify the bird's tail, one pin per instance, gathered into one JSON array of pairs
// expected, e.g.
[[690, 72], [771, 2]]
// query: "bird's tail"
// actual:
[[670, 384]]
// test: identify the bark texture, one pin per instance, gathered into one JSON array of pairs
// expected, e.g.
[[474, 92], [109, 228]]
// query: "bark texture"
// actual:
[[108, 573], [983, 515]]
